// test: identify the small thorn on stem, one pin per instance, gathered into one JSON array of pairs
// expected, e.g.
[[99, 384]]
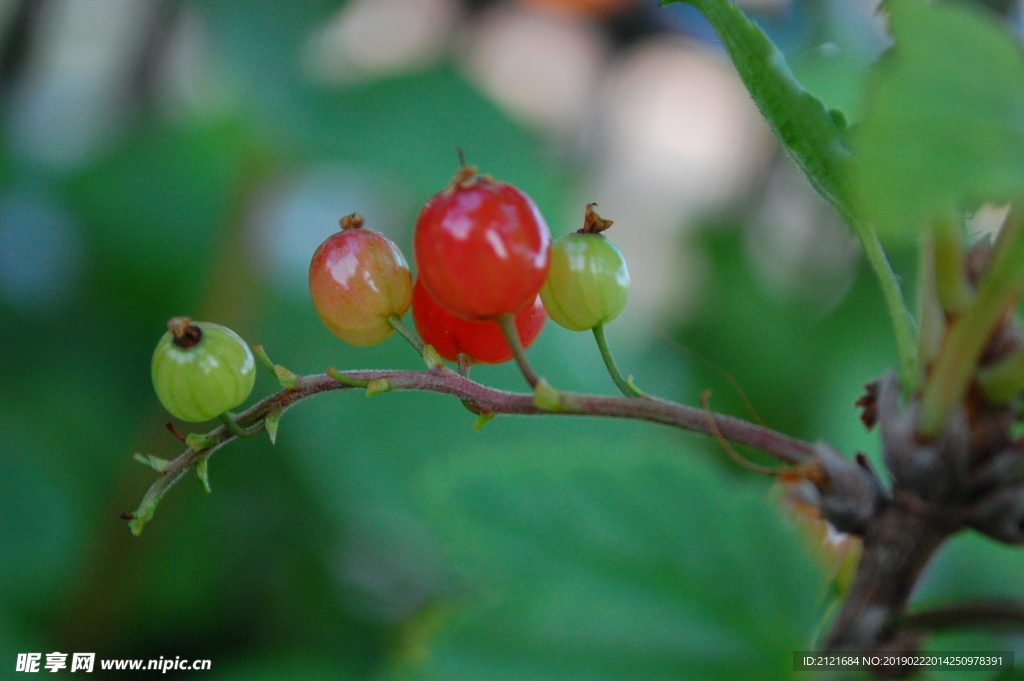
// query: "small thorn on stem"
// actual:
[[174, 431], [351, 221], [483, 418], [127, 516]]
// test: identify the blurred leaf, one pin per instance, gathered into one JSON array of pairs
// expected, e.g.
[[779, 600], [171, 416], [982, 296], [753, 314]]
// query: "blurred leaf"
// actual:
[[971, 566], [407, 127], [154, 212], [944, 128], [38, 525], [286, 666], [748, 344], [590, 562]]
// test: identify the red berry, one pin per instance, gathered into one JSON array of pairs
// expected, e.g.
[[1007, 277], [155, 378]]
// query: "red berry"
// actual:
[[482, 341], [359, 279], [482, 247]]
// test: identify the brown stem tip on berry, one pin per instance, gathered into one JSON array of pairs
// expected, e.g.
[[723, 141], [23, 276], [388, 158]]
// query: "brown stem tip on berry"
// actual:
[[592, 222], [353, 221], [186, 334], [465, 177]]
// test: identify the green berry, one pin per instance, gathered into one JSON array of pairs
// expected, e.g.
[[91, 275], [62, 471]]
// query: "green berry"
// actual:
[[588, 283], [201, 370]]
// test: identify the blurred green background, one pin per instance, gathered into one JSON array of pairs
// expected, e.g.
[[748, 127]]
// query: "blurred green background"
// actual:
[[167, 158]]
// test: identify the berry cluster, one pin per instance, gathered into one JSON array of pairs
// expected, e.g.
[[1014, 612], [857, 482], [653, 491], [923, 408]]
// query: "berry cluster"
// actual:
[[489, 277], [485, 265]]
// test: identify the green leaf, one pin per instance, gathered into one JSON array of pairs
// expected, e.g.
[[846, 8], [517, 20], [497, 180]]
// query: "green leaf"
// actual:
[[811, 135], [944, 128], [816, 139], [156, 208], [972, 567], [602, 564]]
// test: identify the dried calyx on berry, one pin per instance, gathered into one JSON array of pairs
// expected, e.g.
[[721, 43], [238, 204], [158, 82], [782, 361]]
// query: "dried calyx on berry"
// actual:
[[592, 222], [186, 334]]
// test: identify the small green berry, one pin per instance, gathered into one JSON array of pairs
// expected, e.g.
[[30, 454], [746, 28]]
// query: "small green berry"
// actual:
[[201, 370], [588, 283]]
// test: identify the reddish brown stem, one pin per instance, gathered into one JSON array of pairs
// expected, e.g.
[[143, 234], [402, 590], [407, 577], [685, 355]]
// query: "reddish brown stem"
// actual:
[[778, 445]]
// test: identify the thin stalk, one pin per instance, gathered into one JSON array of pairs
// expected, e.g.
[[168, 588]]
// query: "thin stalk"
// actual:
[[1001, 382], [625, 387], [174, 431], [932, 328], [264, 358], [998, 292], [408, 334], [903, 326], [950, 280], [507, 323], [228, 419]]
